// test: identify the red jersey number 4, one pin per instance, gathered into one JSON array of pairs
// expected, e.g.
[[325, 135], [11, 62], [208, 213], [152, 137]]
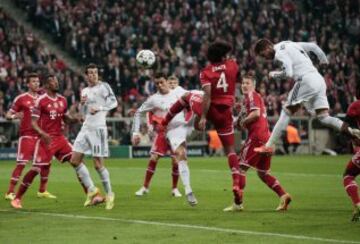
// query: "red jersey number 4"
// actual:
[[222, 84]]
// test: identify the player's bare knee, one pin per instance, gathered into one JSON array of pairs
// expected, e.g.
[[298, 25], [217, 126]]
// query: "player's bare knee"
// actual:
[[76, 159], [98, 162], [180, 153], [289, 110], [154, 157]]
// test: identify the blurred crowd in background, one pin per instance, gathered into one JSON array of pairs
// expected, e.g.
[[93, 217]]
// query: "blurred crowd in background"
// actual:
[[110, 33]]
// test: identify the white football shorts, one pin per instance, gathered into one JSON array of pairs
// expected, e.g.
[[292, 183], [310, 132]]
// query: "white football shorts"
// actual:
[[176, 136], [310, 91], [92, 142]]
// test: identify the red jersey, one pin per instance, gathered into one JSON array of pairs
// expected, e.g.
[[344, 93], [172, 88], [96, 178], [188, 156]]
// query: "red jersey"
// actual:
[[354, 111], [259, 129], [51, 113], [222, 78], [24, 103]]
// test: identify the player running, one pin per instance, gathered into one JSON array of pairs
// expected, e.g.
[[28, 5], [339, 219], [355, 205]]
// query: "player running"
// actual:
[[309, 88], [96, 100], [21, 109], [218, 82], [353, 167], [175, 137], [253, 119], [48, 116]]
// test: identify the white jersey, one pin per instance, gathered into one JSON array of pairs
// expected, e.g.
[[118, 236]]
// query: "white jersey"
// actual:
[[295, 60], [159, 104], [101, 97]]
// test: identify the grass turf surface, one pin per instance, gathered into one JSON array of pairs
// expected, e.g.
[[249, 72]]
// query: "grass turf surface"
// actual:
[[320, 207]]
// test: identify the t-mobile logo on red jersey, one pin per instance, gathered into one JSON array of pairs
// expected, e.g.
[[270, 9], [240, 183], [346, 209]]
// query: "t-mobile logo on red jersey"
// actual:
[[52, 114]]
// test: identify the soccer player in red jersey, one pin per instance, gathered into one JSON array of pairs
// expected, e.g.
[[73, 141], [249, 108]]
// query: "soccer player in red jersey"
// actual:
[[218, 82], [253, 119], [353, 167], [48, 115], [21, 109]]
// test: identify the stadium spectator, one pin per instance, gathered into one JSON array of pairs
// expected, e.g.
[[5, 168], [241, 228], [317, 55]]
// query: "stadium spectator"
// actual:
[[179, 32]]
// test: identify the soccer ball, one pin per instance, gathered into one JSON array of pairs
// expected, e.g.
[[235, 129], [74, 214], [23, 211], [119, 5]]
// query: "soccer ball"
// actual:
[[145, 58]]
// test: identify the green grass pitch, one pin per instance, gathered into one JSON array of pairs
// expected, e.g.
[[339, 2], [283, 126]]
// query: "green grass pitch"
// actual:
[[320, 211]]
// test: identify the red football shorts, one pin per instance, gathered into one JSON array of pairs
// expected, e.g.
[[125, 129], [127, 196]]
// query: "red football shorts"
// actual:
[[26, 148], [252, 159], [59, 147], [219, 115], [160, 145]]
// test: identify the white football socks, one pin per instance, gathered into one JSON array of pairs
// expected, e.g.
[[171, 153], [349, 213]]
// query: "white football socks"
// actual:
[[331, 122], [105, 179], [185, 176], [83, 173], [279, 127]]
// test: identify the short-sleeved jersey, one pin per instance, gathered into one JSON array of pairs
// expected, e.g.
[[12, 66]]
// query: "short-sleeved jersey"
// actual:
[[24, 103], [259, 129], [50, 112], [354, 112], [222, 78]]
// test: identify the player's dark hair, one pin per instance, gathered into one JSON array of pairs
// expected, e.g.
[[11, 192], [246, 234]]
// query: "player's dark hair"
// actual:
[[261, 45], [160, 75], [217, 51], [357, 94], [47, 78], [90, 66], [31, 75]]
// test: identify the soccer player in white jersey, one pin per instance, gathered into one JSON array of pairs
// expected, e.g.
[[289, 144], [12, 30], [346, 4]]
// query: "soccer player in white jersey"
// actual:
[[309, 89], [175, 136], [96, 100], [151, 167]]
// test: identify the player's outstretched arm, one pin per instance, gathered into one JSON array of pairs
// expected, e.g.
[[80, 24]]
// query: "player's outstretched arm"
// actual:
[[314, 48]]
